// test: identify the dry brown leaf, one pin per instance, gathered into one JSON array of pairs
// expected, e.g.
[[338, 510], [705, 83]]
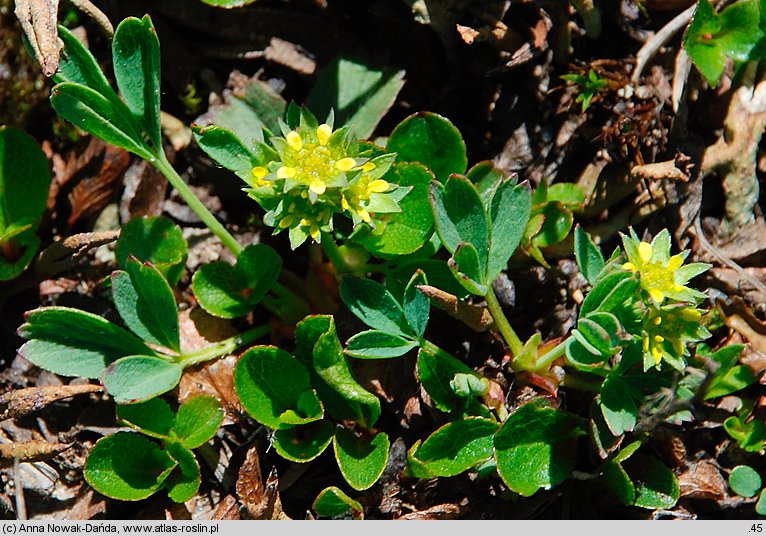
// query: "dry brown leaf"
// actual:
[[739, 317], [441, 511], [144, 192], [23, 401], [261, 500], [65, 253], [702, 480], [474, 316], [30, 451], [227, 509]]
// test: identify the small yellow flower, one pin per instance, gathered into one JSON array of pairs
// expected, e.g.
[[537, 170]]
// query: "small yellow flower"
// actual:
[[661, 275]]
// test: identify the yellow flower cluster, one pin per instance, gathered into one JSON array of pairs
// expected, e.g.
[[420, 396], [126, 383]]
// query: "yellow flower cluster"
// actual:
[[316, 172]]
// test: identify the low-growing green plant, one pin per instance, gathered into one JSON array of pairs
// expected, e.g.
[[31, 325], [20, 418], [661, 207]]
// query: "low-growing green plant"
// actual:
[[311, 399], [384, 208], [24, 181], [587, 86], [130, 466], [134, 364]]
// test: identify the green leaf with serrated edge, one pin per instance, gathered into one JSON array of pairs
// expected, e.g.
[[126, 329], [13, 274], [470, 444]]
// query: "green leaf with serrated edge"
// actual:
[[416, 306], [436, 371], [433, 141], [157, 240], [71, 342], [745, 481], [611, 291], [617, 406], [458, 446], [467, 269], [231, 291], [359, 94], [197, 421], [332, 502], [136, 60], [374, 344], [536, 447], [77, 64], [487, 179], [460, 216], [140, 377], [589, 258], [656, 485], [153, 417], [270, 383], [712, 37], [127, 466], [146, 304], [24, 180], [227, 150], [373, 305], [305, 442], [360, 461], [183, 483], [402, 233], [332, 366], [556, 225], [509, 214], [97, 115]]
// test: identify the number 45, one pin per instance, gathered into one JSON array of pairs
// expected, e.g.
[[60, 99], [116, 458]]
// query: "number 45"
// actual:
[[756, 527]]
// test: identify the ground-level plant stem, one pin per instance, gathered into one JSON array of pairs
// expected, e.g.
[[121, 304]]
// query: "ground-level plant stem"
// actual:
[[333, 254], [544, 362], [502, 324], [224, 347]]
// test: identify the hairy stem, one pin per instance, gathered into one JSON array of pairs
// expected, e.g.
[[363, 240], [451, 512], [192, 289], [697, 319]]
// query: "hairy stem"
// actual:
[[502, 324]]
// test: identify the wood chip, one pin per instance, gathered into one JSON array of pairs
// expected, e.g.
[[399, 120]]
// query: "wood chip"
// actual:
[[227, 510], [30, 451], [20, 402]]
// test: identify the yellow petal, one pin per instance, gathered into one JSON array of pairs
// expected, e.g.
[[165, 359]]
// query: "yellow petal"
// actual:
[[364, 215], [691, 315], [645, 251], [286, 222], [658, 321], [378, 186], [345, 164], [324, 131], [260, 172], [286, 172], [657, 353], [294, 140], [318, 187], [675, 263], [344, 203], [659, 338], [306, 222], [657, 295], [314, 231], [369, 166], [630, 266]]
